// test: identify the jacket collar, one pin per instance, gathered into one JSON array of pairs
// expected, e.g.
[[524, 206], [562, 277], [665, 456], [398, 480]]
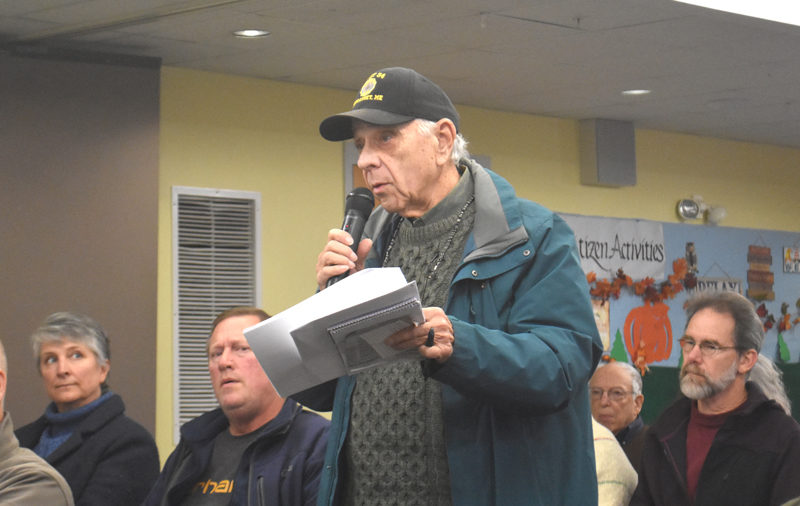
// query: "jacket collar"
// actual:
[[498, 224], [627, 434], [94, 421], [497, 227], [206, 427], [677, 415]]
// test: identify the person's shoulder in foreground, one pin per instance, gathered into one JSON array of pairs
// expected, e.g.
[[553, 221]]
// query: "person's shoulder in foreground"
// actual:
[[25, 478], [616, 478]]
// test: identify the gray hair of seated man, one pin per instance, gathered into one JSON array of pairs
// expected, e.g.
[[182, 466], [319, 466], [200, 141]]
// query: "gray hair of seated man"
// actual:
[[636, 377]]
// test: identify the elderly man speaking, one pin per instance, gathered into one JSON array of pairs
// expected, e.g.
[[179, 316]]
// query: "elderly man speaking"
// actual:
[[501, 416]]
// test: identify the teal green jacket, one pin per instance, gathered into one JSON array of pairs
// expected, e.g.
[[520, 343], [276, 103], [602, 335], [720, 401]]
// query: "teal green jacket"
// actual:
[[516, 409]]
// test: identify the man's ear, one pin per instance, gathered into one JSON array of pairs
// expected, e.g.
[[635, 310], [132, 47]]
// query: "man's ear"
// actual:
[[747, 360], [445, 133], [638, 401]]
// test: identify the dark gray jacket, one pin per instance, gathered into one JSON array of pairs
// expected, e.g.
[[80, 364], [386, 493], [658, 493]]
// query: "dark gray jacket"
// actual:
[[753, 460]]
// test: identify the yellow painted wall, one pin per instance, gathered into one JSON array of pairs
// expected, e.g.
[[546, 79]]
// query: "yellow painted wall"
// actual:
[[220, 131], [540, 157]]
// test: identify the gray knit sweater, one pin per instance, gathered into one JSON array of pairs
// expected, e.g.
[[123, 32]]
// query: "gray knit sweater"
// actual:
[[395, 449]]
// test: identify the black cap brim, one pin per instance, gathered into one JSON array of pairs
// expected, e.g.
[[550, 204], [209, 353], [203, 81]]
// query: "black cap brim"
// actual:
[[339, 127]]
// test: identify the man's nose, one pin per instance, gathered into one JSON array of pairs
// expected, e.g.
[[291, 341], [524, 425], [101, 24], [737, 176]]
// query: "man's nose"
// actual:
[[367, 158], [225, 359], [694, 355]]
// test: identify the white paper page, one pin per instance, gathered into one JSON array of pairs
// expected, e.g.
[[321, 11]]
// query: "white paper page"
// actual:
[[276, 350], [372, 330]]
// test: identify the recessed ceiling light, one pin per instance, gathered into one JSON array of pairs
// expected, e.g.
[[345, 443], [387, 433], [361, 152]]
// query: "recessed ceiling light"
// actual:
[[250, 33], [635, 92]]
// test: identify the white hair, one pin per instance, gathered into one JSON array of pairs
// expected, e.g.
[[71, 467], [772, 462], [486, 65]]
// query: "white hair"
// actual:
[[636, 376], [769, 378], [459, 151]]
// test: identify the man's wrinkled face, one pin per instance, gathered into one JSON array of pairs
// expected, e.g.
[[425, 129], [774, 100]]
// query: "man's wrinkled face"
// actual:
[[399, 163], [613, 402]]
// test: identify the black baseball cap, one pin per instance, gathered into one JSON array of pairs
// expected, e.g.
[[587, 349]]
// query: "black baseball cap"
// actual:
[[389, 97]]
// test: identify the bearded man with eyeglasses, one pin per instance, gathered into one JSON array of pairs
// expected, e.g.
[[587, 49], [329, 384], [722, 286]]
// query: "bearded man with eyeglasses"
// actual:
[[724, 442]]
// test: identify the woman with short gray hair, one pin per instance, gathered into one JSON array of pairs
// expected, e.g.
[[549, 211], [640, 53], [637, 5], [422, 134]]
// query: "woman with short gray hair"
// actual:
[[106, 457]]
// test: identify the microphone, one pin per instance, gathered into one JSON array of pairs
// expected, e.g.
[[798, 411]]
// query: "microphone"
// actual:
[[357, 207]]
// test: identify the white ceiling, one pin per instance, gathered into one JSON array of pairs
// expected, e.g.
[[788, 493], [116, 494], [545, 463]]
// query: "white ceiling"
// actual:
[[711, 73]]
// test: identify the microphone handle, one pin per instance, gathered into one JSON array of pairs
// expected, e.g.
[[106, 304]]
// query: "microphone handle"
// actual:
[[354, 225]]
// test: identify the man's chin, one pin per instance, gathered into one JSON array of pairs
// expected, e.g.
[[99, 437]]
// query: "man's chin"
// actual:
[[228, 402], [694, 389], [390, 205]]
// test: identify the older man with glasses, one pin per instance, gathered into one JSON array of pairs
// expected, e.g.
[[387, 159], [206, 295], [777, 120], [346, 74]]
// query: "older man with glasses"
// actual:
[[725, 442], [615, 391]]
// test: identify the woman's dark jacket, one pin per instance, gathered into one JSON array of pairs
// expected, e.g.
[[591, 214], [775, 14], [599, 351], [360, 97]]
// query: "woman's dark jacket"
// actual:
[[109, 459]]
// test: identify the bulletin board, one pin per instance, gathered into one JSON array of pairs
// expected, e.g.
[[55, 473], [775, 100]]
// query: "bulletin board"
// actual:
[[646, 271]]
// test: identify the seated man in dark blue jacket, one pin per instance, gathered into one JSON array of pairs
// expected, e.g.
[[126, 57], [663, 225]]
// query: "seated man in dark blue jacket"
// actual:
[[257, 448]]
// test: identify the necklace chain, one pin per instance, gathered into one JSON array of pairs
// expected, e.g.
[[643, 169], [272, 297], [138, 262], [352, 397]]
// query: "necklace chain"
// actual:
[[442, 252]]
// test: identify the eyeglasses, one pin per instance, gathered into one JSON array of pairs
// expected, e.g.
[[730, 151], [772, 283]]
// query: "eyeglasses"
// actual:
[[707, 348], [614, 394]]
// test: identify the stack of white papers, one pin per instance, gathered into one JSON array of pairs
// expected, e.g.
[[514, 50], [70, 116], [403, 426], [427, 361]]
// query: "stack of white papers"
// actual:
[[339, 330]]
